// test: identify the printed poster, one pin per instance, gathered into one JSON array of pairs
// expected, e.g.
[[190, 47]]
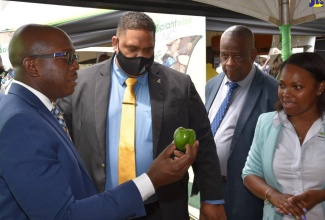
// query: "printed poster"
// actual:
[[181, 45]]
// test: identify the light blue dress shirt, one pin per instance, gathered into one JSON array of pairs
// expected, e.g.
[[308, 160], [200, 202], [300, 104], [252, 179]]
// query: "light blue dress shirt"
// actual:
[[143, 144]]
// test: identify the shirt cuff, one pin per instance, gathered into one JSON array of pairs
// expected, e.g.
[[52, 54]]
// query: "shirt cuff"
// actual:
[[215, 202], [144, 186]]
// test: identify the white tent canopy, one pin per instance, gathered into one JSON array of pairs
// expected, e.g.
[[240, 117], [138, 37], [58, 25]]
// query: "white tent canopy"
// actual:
[[270, 10], [16, 14], [282, 13]]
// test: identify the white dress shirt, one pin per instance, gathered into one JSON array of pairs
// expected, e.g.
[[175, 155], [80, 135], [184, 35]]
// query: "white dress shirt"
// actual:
[[299, 168], [224, 134]]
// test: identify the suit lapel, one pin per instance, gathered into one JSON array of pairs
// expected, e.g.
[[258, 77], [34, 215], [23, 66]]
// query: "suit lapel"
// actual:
[[214, 90], [250, 103], [103, 82], [29, 97], [156, 90], [47, 115]]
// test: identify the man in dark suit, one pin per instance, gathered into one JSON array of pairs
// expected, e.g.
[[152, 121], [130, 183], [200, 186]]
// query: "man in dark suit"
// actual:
[[41, 173], [257, 93], [165, 100]]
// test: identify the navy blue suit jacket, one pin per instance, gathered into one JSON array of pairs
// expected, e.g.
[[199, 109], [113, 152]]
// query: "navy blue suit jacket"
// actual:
[[41, 173], [2, 96], [261, 97]]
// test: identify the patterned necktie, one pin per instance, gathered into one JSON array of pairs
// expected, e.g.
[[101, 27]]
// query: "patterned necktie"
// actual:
[[223, 108], [126, 160], [59, 116]]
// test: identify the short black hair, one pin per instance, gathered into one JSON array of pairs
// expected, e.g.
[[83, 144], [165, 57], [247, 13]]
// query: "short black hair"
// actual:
[[135, 21]]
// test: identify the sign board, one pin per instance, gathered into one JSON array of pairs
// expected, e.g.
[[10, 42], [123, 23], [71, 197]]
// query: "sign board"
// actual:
[[181, 45]]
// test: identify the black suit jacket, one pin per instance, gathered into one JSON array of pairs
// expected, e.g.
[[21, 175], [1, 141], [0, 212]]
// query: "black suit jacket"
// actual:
[[174, 103]]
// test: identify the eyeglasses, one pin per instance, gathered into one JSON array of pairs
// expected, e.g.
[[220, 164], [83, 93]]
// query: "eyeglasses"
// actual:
[[69, 57]]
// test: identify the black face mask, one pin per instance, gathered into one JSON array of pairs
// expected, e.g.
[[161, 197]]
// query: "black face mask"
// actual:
[[134, 66]]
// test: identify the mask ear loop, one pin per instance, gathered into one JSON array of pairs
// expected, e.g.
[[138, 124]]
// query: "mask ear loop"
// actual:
[[118, 44]]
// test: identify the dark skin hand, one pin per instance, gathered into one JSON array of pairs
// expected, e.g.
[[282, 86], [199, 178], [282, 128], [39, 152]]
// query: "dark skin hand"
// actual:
[[308, 199], [165, 170], [212, 212], [282, 205], [258, 187]]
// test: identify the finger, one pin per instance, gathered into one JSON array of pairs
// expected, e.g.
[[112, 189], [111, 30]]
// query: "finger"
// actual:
[[279, 210], [190, 154], [298, 205], [169, 150], [178, 153], [298, 210], [284, 208], [293, 209], [192, 149], [297, 198]]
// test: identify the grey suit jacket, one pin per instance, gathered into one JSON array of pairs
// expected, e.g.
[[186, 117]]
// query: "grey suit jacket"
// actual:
[[261, 98], [174, 103]]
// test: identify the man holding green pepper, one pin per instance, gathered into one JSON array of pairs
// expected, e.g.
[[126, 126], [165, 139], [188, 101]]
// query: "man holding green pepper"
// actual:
[[165, 100]]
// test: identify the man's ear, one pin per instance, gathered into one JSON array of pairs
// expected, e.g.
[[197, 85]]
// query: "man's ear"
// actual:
[[115, 43], [253, 54], [30, 67]]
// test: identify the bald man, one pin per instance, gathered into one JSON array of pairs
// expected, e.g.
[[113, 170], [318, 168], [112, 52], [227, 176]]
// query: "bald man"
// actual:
[[256, 93], [41, 173]]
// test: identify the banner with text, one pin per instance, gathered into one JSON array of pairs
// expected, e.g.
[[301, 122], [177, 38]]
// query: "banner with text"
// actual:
[[180, 45]]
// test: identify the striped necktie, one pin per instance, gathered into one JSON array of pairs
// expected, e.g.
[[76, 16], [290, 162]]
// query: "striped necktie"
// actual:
[[59, 116], [223, 108]]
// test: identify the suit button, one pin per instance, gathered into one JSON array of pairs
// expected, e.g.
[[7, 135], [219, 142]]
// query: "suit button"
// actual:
[[103, 165]]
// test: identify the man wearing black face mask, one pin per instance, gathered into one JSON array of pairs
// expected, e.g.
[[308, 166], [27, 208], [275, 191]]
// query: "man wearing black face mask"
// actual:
[[134, 66], [165, 100]]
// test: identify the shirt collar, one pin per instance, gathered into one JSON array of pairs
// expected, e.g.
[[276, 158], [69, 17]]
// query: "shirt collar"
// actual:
[[282, 118], [248, 79], [46, 101], [121, 76]]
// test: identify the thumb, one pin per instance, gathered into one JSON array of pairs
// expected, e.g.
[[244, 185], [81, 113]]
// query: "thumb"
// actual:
[[297, 198]]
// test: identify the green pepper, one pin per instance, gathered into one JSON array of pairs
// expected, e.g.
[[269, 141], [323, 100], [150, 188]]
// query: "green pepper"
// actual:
[[183, 136]]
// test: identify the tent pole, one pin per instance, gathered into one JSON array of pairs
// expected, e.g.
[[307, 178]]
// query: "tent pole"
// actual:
[[285, 29], [285, 41]]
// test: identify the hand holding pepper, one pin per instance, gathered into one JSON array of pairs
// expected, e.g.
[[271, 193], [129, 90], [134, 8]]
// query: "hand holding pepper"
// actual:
[[183, 136], [165, 169]]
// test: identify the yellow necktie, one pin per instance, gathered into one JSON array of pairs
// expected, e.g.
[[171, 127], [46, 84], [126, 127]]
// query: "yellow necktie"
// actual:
[[126, 160]]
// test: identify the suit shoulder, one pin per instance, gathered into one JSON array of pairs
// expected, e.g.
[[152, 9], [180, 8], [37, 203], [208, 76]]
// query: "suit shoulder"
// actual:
[[269, 79], [93, 69], [214, 79], [168, 72]]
